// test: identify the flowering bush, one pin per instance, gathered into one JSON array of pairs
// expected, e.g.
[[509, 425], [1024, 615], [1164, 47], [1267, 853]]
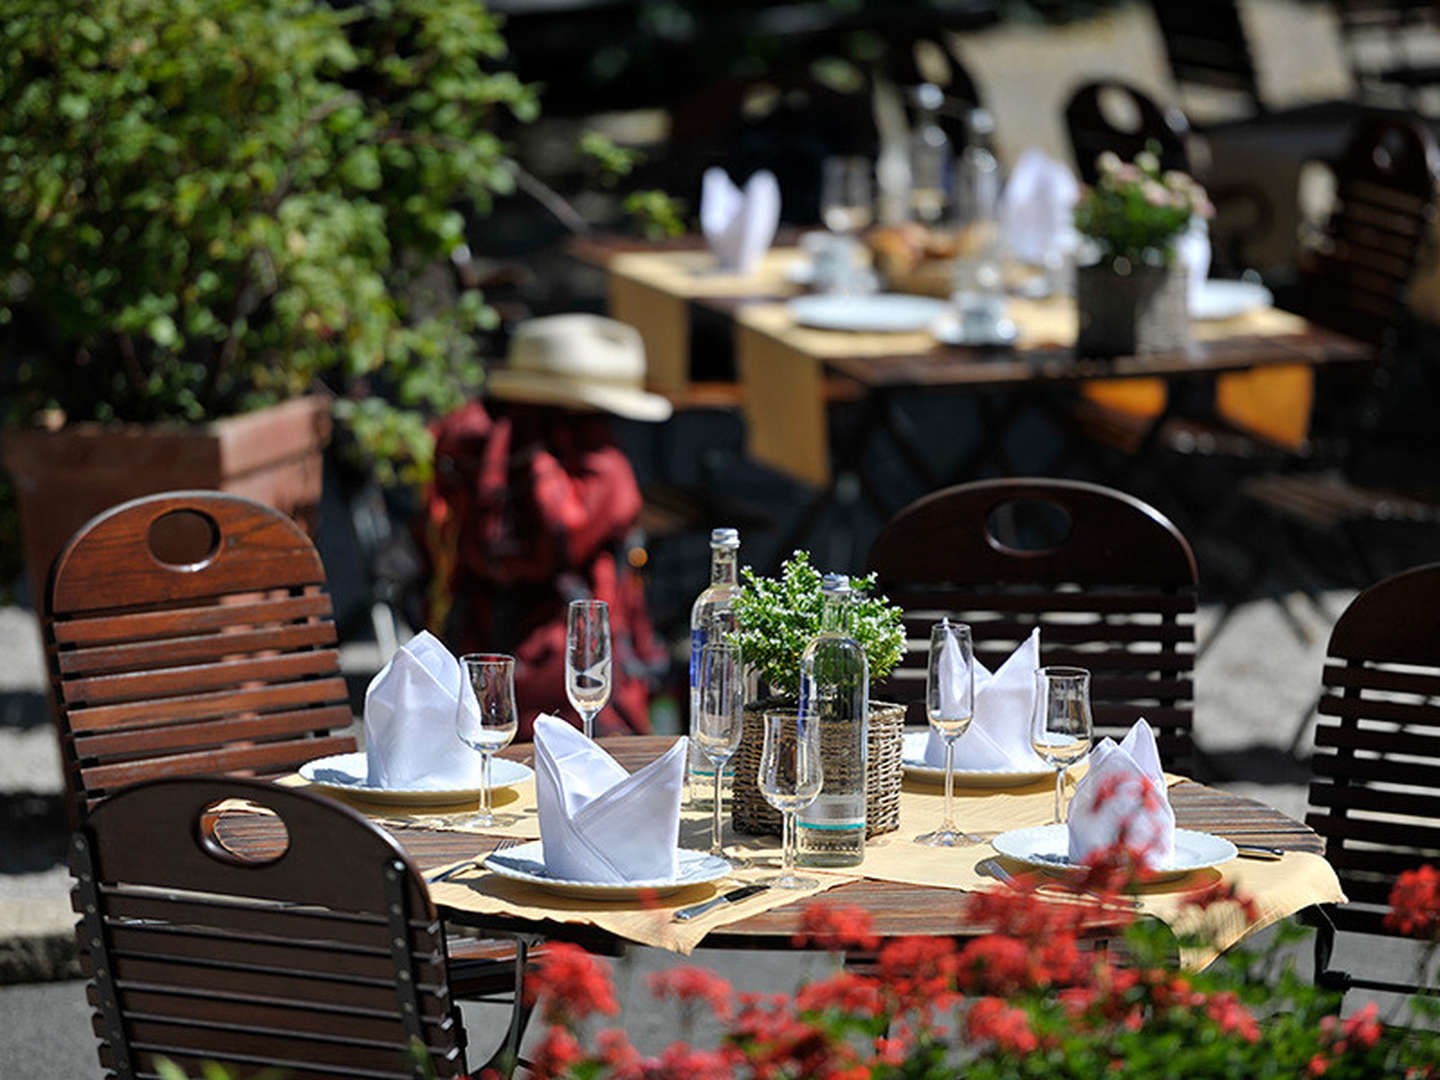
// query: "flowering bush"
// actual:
[[1031, 998], [778, 618], [1135, 212]]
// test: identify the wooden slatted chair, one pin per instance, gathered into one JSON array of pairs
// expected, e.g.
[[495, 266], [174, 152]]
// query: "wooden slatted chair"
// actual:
[[324, 960], [1094, 127], [1115, 594], [187, 633], [1375, 797]]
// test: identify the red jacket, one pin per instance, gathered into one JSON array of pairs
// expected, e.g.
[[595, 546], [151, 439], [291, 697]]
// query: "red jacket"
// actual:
[[529, 510]]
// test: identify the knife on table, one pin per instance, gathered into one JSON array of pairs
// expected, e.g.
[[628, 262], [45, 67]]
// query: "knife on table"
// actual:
[[734, 896]]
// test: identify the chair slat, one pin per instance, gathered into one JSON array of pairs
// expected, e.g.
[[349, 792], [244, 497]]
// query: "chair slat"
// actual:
[[142, 625], [964, 598], [1419, 837], [168, 652], [150, 739], [132, 685], [269, 757], [217, 703]]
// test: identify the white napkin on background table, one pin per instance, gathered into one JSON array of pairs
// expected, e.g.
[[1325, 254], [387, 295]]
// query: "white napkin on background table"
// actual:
[[599, 823], [411, 707], [1123, 796], [998, 739], [739, 226], [1037, 207]]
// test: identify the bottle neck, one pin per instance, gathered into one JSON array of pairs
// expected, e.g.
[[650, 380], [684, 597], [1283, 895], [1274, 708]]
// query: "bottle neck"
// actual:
[[835, 614], [722, 566]]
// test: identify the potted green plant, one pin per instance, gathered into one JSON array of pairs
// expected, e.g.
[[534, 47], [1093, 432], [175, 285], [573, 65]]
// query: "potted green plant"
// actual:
[[1133, 299], [776, 618], [222, 222]]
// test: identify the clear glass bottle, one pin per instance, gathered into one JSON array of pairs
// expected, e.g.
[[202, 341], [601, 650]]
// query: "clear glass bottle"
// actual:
[[712, 614], [835, 692], [979, 296], [930, 157]]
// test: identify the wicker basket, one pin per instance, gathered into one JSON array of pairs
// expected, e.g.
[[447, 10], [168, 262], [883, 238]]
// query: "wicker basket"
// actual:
[[752, 814]]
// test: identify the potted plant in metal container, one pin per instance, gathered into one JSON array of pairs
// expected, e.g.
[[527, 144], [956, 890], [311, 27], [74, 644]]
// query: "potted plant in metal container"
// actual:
[[1133, 299], [220, 222], [776, 619]]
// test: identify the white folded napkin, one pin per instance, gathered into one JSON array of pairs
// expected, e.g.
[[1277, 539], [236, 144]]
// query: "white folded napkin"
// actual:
[[411, 707], [739, 227], [998, 738], [1193, 249], [599, 823], [1123, 799], [1036, 207]]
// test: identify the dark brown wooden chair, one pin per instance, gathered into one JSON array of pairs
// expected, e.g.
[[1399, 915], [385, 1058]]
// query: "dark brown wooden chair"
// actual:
[[188, 633], [1096, 116], [1113, 589], [1376, 793], [323, 959]]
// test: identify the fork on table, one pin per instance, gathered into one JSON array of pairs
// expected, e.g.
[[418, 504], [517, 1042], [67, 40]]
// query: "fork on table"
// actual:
[[449, 872]]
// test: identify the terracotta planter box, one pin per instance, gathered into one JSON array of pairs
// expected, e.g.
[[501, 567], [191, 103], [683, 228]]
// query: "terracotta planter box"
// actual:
[[1144, 311], [64, 478]]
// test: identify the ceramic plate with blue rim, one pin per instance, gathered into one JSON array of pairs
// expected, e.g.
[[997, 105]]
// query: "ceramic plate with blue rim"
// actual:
[[913, 757], [526, 863], [1046, 847], [347, 774], [882, 313]]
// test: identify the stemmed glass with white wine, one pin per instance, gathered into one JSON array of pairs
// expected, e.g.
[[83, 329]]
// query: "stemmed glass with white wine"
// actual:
[[491, 727], [587, 660], [1061, 727], [719, 720], [790, 776], [847, 202], [950, 706]]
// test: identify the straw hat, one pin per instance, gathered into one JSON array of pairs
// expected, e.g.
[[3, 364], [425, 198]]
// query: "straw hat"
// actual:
[[579, 361]]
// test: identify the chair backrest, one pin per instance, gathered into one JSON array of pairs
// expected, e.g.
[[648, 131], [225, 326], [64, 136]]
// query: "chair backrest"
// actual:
[[1357, 278], [318, 953], [1096, 120], [1376, 793], [1206, 45], [1114, 592], [188, 633]]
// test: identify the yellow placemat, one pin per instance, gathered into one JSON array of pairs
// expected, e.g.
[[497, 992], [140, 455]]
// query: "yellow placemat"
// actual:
[[694, 274]]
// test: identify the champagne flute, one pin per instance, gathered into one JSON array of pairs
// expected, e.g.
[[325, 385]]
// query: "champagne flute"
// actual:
[[790, 776], [718, 724], [587, 660], [493, 725], [1060, 727], [950, 706]]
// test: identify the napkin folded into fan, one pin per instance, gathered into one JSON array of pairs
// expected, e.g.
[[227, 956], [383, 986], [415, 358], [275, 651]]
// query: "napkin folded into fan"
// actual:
[[998, 738], [1037, 207], [739, 226], [599, 823], [411, 708], [1123, 798]]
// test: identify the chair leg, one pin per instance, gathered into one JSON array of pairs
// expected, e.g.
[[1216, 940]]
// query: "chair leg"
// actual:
[[1325, 976], [507, 1056]]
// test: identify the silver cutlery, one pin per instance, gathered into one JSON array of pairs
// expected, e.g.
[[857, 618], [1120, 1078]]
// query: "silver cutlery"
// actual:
[[1259, 851], [460, 868], [734, 896]]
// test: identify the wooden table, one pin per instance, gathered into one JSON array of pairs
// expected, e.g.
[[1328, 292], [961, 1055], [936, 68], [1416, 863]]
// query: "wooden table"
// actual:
[[898, 909]]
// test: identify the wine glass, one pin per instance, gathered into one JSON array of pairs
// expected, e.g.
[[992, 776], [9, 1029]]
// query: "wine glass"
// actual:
[[1060, 727], [790, 778], [846, 201], [493, 725], [950, 706], [587, 659], [719, 719]]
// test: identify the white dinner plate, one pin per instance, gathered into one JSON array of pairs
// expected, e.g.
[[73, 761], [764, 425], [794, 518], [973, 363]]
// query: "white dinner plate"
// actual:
[[346, 773], [881, 313], [950, 330], [1228, 299], [1046, 847], [526, 863], [913, 757]]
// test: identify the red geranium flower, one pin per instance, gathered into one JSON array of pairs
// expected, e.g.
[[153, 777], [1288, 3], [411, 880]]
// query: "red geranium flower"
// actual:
[[991, 1020], [1415, 903], [836, 928], [572, 983], [688, 984]]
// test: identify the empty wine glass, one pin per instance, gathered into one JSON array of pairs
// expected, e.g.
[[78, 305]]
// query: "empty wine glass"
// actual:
[[790, 777], [490, 728], [1060, 727], [846, 201], [719, 720], [587, 659], [950, 706]]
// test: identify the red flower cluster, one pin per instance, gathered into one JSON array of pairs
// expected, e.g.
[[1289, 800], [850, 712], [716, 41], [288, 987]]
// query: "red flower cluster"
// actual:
[[836, 928], [572, 984], [991, 1020], [694, 985], [845, 992], [1415, 903], [1231, 1017]]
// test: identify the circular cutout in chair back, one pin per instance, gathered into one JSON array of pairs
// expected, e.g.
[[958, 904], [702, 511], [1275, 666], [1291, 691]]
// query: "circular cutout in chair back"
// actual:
[[1028, 526], [215, 845], [184, 539]]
